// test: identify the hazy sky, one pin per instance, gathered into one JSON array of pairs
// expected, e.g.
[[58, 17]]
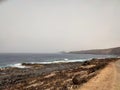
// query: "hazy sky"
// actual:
[[58, 25]]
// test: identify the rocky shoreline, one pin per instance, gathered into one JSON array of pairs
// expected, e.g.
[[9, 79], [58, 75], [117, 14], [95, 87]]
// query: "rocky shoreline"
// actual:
[[59, 76]]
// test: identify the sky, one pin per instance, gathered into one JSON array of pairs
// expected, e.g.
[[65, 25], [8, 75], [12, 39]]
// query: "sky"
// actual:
[[44, 26]]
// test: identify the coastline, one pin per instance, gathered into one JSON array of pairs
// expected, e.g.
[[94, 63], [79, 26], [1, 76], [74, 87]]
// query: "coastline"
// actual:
[[57, 76]]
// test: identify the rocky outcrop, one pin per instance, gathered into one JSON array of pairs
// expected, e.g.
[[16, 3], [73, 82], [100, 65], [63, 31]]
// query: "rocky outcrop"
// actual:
[[79, 79]]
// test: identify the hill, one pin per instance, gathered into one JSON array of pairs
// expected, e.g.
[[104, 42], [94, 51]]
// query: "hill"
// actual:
[[110, 51]]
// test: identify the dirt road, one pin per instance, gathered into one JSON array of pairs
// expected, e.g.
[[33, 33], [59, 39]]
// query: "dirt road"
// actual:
[[107, 79], [117, 80]]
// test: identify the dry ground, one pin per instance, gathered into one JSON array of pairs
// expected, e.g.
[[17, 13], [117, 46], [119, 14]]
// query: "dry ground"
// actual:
[[107, 79]]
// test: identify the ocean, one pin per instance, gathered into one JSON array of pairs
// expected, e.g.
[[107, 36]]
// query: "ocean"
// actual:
[[15, 60]]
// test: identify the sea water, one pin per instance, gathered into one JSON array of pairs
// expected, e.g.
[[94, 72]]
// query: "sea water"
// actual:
[[15, 60]]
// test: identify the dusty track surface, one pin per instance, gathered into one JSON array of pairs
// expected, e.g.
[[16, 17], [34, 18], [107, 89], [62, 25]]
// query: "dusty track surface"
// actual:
[[107, 79], [117, 77]]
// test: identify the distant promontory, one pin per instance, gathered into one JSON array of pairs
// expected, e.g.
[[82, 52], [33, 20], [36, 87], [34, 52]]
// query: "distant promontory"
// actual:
[[109, 51]]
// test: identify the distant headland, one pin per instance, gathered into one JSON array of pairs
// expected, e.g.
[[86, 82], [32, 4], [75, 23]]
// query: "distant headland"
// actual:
[[109, 51]]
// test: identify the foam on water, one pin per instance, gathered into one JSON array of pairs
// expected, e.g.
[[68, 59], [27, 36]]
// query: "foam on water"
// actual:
[[18, 65], [59, 61]]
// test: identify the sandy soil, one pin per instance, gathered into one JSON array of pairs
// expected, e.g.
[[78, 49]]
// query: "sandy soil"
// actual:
[[107, 79], [117, 78]]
